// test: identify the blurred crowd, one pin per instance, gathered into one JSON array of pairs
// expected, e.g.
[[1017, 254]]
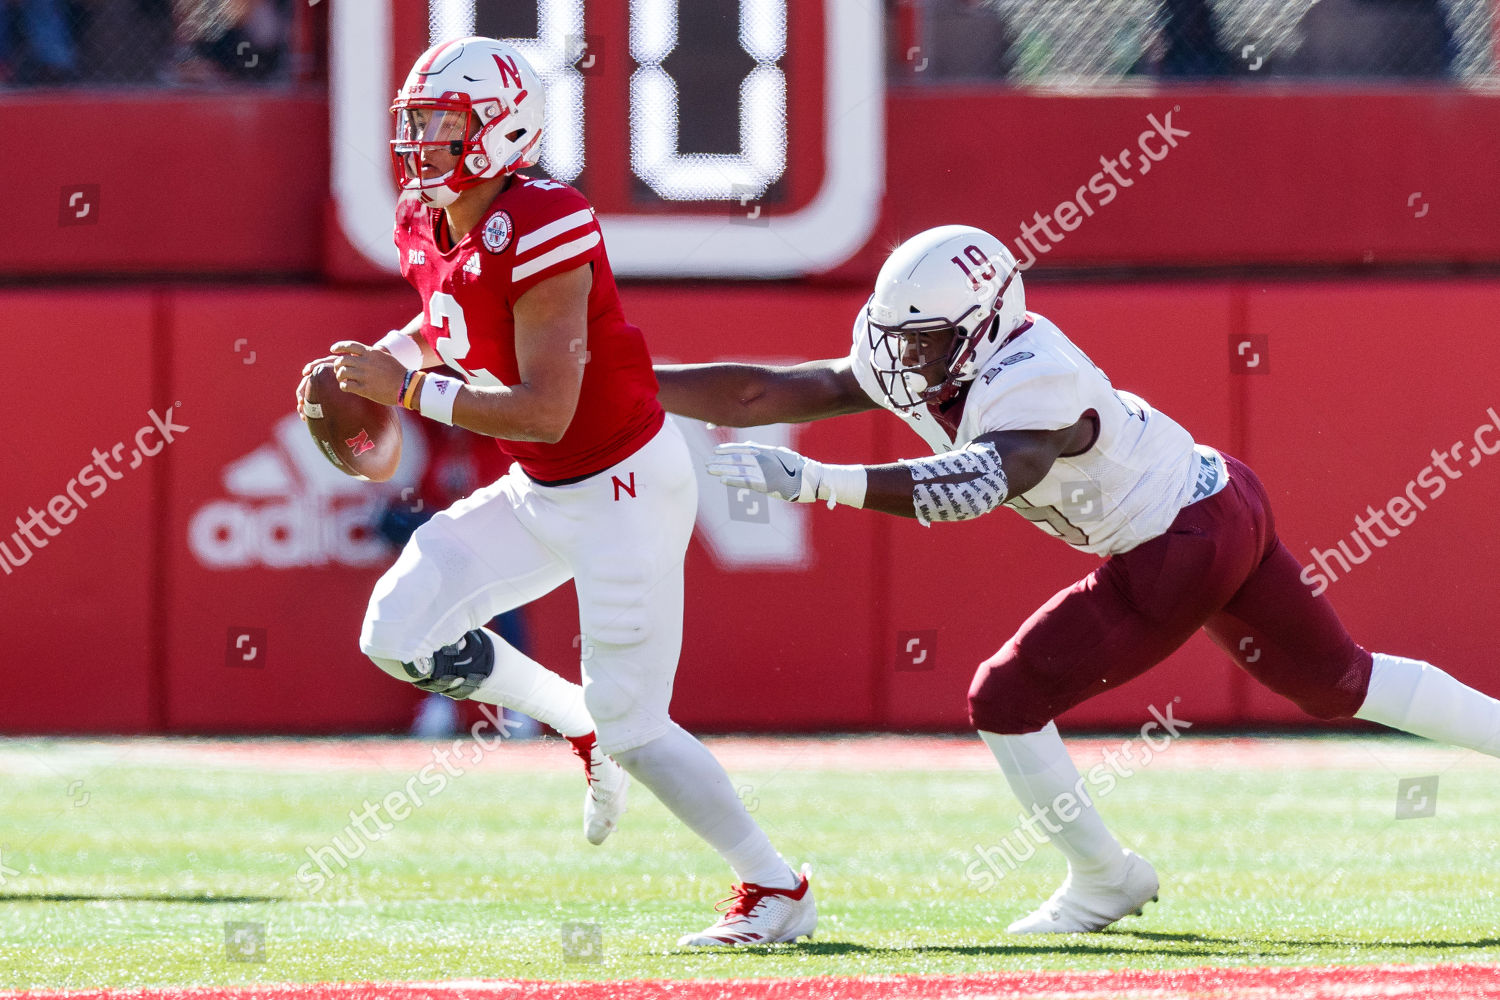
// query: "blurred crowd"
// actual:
[[1021, 40], [151, 42], [207, 42]]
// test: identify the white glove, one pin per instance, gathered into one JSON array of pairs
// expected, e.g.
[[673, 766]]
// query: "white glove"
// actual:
[[778, 472], [782, 473]]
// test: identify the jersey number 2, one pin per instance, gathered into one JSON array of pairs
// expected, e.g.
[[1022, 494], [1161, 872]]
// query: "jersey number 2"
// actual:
[[443, 311]]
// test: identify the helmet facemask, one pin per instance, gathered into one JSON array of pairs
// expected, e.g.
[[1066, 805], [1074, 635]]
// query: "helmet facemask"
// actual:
[[905, 386], [457, 128]]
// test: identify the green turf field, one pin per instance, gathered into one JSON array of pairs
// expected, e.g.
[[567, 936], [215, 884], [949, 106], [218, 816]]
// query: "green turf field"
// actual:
[[123, 871]]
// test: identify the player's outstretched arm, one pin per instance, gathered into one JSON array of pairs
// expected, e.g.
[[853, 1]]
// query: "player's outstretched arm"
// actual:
[[955, 486], [963, 484], [747, 395]]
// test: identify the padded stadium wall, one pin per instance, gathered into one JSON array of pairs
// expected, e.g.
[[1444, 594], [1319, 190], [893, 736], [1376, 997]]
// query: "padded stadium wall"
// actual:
[[218, 585]]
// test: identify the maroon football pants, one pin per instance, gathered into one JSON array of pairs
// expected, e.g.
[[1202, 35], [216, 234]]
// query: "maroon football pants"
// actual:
[[1219, 566]]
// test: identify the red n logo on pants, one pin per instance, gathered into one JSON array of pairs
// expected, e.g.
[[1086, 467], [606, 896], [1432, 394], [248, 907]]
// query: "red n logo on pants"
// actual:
[[621, 485]]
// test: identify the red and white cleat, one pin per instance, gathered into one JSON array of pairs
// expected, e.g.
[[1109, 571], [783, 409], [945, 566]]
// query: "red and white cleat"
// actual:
[[759, 915], [604, 802]]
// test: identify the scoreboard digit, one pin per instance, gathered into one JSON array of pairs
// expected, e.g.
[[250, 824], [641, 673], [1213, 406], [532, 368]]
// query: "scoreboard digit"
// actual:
[[737, 138]]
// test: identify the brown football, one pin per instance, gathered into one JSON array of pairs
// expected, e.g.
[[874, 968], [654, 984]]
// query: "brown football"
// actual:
[[359, 436]]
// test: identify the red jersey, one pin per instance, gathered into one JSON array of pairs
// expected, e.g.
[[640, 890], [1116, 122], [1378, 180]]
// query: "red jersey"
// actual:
[[535, 229]]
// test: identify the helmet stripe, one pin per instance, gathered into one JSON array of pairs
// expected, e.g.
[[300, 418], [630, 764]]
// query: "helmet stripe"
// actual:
[[437, 51]]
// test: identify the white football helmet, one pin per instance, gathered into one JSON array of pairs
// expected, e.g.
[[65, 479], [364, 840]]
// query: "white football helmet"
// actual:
[[950, 278], [476, 98]]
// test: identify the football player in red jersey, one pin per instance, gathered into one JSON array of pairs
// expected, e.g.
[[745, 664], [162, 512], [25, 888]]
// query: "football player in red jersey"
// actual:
[[1018, 416], [518, 296]]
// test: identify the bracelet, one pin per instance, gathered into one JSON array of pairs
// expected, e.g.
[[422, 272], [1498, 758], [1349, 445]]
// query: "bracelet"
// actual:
[[437, 395], [411, 388], [401, 347]]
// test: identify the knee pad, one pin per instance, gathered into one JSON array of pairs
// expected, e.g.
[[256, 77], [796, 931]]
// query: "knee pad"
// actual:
[[456, 670], [623, 720], [606, 699]]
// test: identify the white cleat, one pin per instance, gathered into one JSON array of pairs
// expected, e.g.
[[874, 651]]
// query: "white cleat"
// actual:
[[1080, 907], [604, 801], [758, 915]]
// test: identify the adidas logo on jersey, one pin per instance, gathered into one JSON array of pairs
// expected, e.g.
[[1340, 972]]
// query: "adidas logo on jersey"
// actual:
[[471, 266], [289, 508]]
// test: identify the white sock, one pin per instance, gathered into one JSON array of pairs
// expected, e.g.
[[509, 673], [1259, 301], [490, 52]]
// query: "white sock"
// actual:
[[686, 778], [1040, 773], [1416, 697], [521, 683]]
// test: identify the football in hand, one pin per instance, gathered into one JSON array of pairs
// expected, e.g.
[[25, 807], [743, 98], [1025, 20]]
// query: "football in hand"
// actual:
[[359, 436]]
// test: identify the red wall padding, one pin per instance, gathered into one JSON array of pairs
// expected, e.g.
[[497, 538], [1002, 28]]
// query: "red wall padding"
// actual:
[[227, 182], [236, 182], [117, 625], [80, 617], [1271, 174]]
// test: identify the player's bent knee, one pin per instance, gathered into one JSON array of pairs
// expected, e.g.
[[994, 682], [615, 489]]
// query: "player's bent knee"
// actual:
[[385, 644], [1338, 702], [1003, 699], [455, 670], [1326, 685], [623, 720], [390, 666], [607, 699]]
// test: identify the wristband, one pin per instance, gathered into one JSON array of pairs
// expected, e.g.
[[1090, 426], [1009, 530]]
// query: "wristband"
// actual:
[[436, 397], [841, 484], [401, 347]]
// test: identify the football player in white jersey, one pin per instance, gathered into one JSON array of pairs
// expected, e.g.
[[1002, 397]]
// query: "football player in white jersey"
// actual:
[[1017, 416]]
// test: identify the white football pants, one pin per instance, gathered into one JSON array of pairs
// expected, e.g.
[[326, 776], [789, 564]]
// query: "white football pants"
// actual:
[[620, 535]]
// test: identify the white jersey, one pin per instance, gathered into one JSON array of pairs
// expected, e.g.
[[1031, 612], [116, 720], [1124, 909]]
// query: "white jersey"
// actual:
[[1126, 489]]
